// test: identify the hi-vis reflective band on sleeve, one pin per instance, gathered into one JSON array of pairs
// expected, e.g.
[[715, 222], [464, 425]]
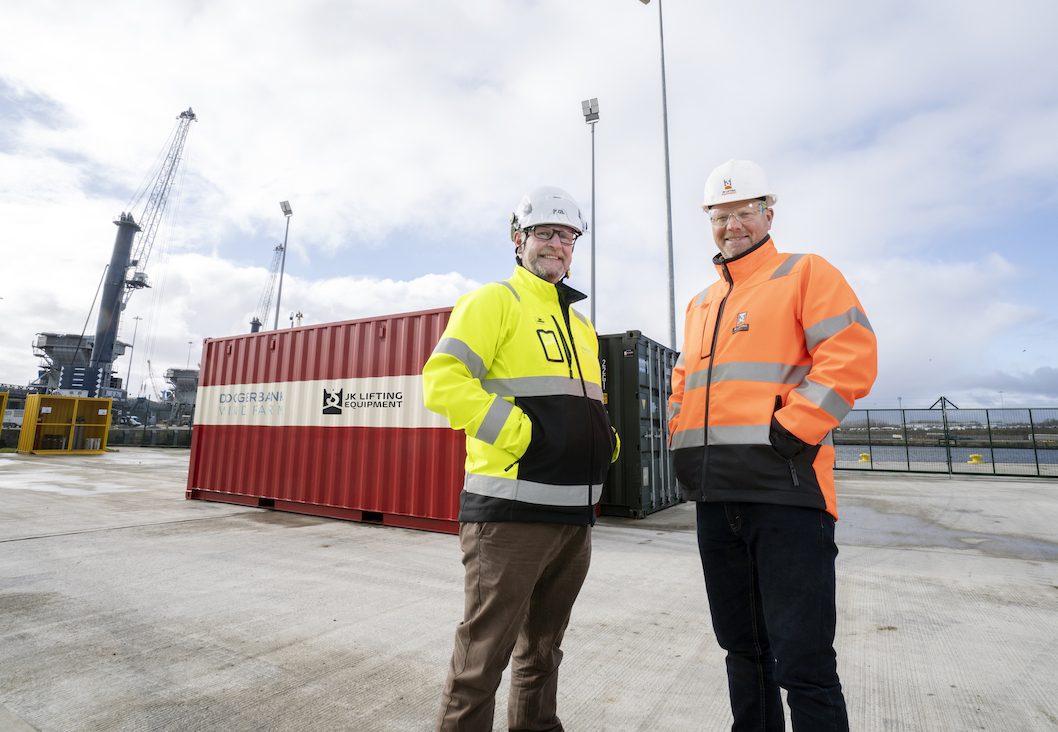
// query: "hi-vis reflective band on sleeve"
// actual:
[[825, 398], [382, 401], [832, 326], [495, 418], [460, 350]]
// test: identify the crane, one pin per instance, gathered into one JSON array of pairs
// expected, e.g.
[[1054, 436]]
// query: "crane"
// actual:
[[150, 374], [154, 211], [264, 305], [132, 249]]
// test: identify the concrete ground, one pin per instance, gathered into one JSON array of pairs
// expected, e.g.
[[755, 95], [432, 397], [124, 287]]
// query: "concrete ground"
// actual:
[[125, 607]]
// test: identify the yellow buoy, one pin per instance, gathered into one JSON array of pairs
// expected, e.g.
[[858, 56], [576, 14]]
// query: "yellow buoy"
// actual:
[[974, 459], [865, 457]]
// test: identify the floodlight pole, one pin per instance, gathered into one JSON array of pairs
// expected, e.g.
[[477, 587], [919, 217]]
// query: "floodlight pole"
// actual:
[[668, 185], [288, 212], [590, 107]]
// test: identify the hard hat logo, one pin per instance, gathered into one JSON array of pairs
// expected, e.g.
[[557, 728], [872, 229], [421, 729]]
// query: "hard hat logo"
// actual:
[[727, 184]]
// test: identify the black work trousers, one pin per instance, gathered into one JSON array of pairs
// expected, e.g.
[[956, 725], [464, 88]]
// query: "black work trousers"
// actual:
[[769, 575]]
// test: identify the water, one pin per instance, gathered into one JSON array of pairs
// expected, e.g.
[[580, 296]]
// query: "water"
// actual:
[[1000, 461]]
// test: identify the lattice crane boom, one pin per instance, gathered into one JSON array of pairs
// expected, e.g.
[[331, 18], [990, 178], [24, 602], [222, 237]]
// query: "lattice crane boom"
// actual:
[[154, 212], [265, 303]]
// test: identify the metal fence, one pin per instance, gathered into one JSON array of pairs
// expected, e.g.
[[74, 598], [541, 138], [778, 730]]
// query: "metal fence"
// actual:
[[974, 441], [143, 437]]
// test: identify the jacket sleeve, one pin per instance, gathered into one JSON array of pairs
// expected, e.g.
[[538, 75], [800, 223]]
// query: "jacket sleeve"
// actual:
[[679, 378], [844, 352], [479, 325]]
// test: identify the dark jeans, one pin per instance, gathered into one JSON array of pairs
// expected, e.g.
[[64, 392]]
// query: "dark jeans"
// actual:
[[769, 574]]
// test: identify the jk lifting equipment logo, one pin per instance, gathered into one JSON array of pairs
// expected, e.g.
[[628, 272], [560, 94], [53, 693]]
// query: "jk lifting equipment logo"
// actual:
[[740, 323], [332, 402]]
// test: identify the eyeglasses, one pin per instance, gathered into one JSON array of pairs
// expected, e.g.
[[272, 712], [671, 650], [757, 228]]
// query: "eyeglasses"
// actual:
[[545, 233], [720, 220]]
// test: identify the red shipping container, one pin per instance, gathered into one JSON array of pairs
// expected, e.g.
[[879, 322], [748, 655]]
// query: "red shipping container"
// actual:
[[328, 420]]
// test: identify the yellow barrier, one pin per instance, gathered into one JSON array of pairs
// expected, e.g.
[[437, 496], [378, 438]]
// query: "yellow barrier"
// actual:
[[974, 459], [865, 457]]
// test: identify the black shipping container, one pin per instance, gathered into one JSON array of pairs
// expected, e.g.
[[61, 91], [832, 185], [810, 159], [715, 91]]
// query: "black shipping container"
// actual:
[[636, 384]]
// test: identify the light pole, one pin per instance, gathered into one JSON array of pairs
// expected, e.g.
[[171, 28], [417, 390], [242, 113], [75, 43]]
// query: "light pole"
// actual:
[[128, 374], [668, 187], [189, 344], [590, 107], [285, 205]]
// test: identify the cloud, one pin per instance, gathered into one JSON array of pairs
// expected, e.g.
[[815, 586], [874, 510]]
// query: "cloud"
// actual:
[[1041, 383], [907, 141]]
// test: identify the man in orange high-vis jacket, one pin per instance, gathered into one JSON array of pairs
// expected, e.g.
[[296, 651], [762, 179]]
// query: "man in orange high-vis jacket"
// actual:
[[775, 354]]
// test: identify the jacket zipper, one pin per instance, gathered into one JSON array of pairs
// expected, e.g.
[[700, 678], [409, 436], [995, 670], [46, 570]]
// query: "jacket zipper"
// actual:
[[584, 390], [709, 370]]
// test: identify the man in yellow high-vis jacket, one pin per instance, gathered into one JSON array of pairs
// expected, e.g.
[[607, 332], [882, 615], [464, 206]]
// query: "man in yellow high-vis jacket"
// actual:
[[518, 369]]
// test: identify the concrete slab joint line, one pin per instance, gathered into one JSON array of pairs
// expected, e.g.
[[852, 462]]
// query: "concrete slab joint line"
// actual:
[[269, 620], [10, 722]]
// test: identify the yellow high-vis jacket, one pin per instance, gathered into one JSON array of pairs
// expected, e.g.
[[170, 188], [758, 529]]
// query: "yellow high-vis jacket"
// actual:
[[518, 370], [775, 354]]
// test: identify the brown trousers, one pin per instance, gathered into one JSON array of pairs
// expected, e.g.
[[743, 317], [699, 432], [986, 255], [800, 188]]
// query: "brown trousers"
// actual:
[[521, 582]]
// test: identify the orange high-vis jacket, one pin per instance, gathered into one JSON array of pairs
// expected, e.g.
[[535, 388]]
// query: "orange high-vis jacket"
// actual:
[[775, 354]]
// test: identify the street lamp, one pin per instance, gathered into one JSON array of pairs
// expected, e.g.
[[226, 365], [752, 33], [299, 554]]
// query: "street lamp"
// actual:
[[285, 205], [590, 107], [189, 344], [668, 187]]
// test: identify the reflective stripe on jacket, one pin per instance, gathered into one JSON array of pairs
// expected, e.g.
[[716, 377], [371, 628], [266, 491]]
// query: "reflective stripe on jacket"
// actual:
[[518, 370], [779, 335]]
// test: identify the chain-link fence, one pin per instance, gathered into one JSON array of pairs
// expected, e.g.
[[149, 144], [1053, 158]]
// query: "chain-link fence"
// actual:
[[983, 441]]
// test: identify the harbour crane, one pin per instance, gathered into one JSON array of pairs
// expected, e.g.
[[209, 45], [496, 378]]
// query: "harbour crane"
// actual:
[[264, 305], [150, 375], [278, 261], [132, 249], [154, 212]]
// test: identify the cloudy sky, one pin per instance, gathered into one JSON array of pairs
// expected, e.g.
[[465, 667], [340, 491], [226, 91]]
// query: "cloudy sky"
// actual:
[[913, 144]]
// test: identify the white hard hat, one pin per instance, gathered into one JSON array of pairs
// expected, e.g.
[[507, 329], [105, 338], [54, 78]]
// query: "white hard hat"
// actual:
[[547, 205], [737, 180]]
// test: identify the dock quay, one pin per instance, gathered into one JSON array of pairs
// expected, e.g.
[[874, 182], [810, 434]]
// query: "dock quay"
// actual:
[[124, 606]]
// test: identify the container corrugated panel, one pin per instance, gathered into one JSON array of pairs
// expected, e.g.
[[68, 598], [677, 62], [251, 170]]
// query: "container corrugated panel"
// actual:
[[328, 420], [637, 384]]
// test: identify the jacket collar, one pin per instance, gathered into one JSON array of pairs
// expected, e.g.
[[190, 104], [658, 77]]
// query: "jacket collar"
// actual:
[[745, 264], [526, 280]]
